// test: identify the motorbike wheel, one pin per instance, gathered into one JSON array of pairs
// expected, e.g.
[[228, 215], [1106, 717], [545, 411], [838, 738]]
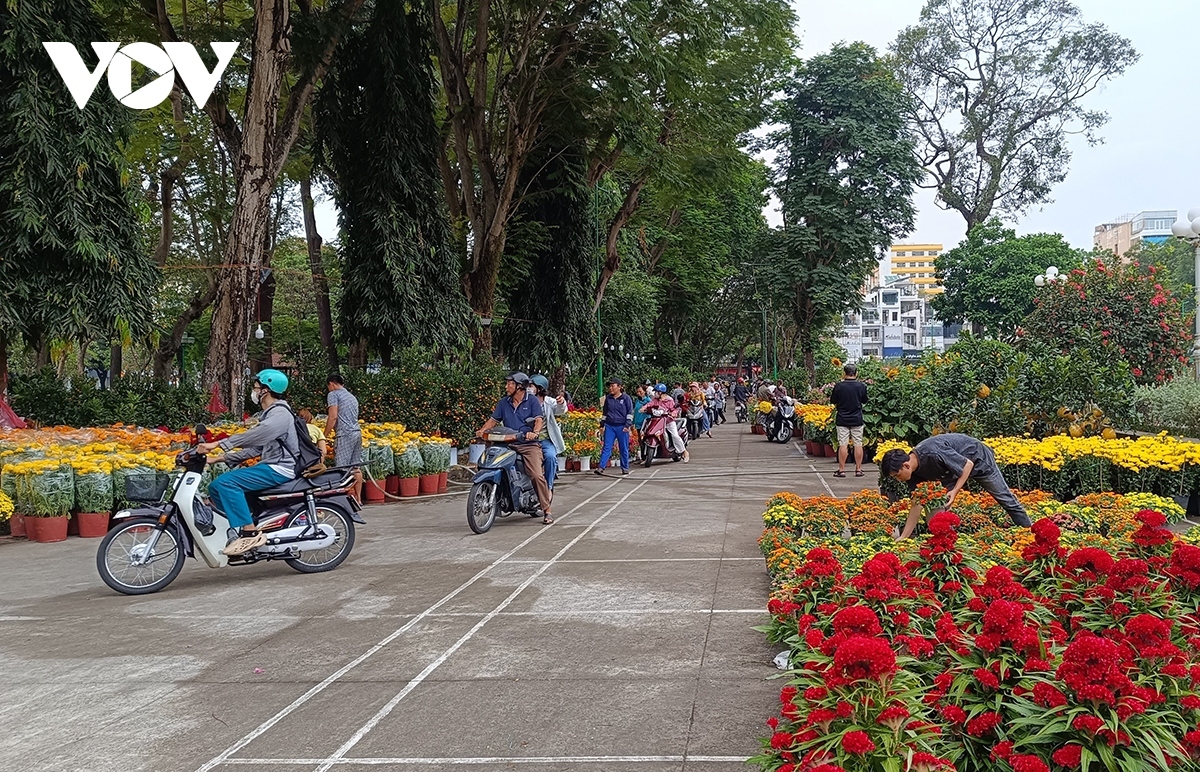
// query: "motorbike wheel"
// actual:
[[482, 506], [130, 538], [329, 558], [785, 433], [648, 454]]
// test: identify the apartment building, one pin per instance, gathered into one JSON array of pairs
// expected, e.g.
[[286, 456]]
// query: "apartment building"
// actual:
[[895, 320], [915, 263], [1124, 232]]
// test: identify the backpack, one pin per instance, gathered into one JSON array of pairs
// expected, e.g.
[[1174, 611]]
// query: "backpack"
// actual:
[[309, 462]]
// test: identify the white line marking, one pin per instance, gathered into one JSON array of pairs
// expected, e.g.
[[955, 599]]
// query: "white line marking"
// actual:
[[635, 560], [222, 757], [383, 712], [602, 612], [22, 619], [480, 760], [822, 479]]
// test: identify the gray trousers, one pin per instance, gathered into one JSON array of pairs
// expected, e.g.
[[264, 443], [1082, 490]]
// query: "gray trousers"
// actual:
[[993, 482]]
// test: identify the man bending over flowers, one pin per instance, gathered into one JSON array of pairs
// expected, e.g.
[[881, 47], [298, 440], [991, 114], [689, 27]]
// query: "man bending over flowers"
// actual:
[[951, 459]]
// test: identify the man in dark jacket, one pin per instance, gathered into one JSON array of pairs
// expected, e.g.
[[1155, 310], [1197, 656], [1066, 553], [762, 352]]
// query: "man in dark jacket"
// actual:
[[617, 408], [951, 459], [848, 397]]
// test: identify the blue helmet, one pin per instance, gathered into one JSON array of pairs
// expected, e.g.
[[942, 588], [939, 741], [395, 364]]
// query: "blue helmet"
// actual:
[[541, 382], [661, 388], [274, 380]]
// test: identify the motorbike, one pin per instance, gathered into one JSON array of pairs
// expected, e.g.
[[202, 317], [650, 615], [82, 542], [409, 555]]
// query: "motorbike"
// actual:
[[695, 418], [740, 412], [655, 442], [500, 486], [780, 422], [309, 524]]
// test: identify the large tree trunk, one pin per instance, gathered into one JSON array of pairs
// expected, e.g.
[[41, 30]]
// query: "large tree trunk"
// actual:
[[481, 289], [116, 355], [266, 316], [316, 265], [255, 171], [612, 258], [357, 356]]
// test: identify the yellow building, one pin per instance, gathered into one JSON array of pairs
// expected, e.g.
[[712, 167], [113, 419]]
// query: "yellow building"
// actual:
[[915, 262]]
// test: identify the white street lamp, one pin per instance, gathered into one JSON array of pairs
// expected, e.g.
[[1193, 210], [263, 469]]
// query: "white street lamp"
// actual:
[[1189, 231], [1051, 275], [1039, 280]]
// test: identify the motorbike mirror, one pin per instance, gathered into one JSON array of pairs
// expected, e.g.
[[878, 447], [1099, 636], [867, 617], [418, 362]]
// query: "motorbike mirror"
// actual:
[[201, 430]]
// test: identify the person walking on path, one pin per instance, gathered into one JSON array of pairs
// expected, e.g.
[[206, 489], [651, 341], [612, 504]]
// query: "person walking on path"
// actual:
[[521, 414], [951, 459], [342, 424], [718, 405], [848, 397], [617, 408]]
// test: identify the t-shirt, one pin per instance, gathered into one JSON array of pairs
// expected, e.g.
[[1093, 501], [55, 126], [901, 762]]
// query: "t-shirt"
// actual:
[[347, 405], [943, 458], [848, 397], [516, 419], [314, 434]]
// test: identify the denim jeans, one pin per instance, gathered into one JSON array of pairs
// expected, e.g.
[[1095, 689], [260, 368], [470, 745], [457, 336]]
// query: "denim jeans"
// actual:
[[550, 462], [993, 482], [228, 491]]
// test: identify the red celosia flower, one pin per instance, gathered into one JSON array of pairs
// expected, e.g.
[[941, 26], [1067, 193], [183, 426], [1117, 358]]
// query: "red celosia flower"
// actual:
[[1090, 563], [927, 762], [1192, 739], [822, 717], [983, 723], [953, 714], [859, 658], [943, 523], [857, 742], [1091, 667], [1086, 723], [1047, 696], [894, 717], [1150, 518], [856, 620], [826, 768], [1191, 702], [781, 740], [1150, 636], [1028, 764], [1185, 567], [815, 694], [1001, 750], [987, 678]]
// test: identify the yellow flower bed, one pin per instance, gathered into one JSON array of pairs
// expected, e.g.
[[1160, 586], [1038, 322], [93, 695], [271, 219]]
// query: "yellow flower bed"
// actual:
[[6, 507], [818, 415]]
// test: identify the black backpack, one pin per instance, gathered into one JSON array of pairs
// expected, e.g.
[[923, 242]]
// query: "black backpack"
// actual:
[[309, 461]]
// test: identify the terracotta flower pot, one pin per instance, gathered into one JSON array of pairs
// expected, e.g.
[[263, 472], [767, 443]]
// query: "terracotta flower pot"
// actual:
[[429, 484], [17, 524], [391, 484], [443, 482], [829, 451], [372, 492], [810, 448], [92, 525], [51, 529], [410, 486]]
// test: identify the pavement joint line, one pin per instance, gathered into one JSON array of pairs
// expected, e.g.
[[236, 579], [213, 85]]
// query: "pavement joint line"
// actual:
[[636, 560], [822, 479], [603, 612], [383, 712], [283, 713], [491, 760]]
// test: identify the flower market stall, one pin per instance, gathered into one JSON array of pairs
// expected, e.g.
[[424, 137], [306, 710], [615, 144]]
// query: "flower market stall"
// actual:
[[1072, 644]]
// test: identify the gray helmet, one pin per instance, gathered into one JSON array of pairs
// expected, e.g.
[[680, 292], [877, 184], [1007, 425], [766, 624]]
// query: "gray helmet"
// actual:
[[541, 382], [519, 378]]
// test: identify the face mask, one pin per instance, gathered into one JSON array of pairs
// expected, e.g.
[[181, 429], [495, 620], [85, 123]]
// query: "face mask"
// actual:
[[255, 396], [531, 390]]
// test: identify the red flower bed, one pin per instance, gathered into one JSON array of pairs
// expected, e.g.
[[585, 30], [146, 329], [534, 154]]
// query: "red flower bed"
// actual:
[[1081, 659]]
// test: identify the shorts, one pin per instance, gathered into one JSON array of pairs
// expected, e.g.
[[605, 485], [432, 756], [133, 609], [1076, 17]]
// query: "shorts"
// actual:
[[847, 433], [347, 451]]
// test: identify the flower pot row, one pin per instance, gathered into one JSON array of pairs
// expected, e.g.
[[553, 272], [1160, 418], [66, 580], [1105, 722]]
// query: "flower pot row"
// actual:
[[819, 449], [88, 525], [405, 487]]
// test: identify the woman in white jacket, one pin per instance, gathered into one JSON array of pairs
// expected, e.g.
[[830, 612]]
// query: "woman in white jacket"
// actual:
[[552, 439]]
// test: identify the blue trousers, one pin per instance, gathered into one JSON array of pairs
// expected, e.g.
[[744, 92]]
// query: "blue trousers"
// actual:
[[621, 437], [228, 491], [550, 462]]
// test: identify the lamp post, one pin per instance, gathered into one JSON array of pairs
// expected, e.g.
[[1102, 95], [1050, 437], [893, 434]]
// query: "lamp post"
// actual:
[[1049, 277], [1189, 231]]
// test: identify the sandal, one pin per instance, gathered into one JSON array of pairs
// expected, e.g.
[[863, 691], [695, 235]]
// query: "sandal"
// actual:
[[839, 474], [244, 544], [860, 473], [547, 520]]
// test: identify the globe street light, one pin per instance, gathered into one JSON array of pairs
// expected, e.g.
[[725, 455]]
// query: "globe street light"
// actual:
[[1049, 277], [1189, 231]]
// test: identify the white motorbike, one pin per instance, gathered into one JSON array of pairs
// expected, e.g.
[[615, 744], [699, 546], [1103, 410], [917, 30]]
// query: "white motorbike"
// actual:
[[780, 422], [309, 523]]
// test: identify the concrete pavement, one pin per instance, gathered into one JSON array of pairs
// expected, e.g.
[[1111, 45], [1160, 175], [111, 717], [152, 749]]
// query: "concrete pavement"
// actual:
[[617, 639]]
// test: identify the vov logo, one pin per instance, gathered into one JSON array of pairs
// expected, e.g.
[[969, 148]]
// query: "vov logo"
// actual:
[[117, 61]]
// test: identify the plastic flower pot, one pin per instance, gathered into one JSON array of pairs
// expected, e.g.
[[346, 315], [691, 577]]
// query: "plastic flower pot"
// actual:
[[410, 486], [373, 492], [17, 525], [429, 484], [585, 463], [92, 525], [476, 452], [391, 484], [453, 456], [50, 529], [443, 482]]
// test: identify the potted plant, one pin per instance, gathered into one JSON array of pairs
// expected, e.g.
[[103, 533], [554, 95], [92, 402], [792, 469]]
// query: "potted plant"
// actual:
[[583, 450], [408, 469], [6, 511], [93, 497], [430, 469], [378, 462], [48, 491], [435, 458]]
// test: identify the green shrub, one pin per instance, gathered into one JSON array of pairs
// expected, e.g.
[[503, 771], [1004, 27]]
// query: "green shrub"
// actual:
[[1173, 407], [43, 398]]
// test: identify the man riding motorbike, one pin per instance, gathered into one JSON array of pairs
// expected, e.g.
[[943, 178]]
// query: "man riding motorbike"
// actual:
[[274, 439], [514, 412], [665, 401]]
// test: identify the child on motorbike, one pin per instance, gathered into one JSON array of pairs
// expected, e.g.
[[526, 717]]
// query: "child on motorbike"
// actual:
[[664, 401]]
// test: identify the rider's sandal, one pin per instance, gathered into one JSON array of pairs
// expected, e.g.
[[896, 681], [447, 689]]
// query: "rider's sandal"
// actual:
[[547, 520], [244, 544]]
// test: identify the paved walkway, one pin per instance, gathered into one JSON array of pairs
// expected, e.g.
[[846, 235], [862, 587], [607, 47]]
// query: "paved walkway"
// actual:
[[617, 639]]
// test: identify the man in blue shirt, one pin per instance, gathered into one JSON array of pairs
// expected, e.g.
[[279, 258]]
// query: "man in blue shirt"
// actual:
[[521, 414], [618, 418]]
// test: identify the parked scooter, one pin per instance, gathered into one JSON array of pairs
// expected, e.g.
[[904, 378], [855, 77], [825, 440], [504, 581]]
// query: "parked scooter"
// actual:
[[780, 422], [655, 441], [309, 523], [501, 485]]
